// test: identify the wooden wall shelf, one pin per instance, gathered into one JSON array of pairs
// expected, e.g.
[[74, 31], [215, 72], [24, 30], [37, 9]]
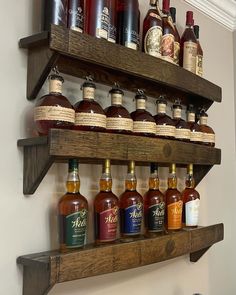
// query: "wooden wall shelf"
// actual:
[[43, 270]]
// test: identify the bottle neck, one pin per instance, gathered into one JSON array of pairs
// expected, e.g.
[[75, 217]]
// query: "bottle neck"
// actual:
[[88, 93], [191, 117], [140, 104], [116, 99], [106, 182], [161, 108], [55, 86], [172, 181], [190, 183], [154, 181], [131, 182], [203, 120], [177, 112], [73, 182]]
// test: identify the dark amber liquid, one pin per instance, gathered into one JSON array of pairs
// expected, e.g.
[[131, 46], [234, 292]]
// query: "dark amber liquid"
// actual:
[[164, 119], [194, 127], [142, 115], [209, 130], [181, 124]]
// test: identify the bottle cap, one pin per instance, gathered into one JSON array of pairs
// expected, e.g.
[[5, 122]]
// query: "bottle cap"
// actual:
[[73, 164], [140, 95], [131, 167], [189, 18], [191, 109], [196, 31], [107, 166], [161, 100], [177, 104], [166, 5], [172, 168], [173, 14], [190, 169], [153, 168], [116, 89], [56, 77], [88, 83], [203, 113]]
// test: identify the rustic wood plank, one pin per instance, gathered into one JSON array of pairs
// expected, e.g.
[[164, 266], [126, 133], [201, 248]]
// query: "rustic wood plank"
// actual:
[[35, 40]]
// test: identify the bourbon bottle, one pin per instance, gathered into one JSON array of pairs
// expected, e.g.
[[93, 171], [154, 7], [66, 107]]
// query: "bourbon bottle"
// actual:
[[191, 200], [54, 110], [112, 30], [89, 115], [152, 30], [177, 37], [165, 125], [131, 207], [182, 131], [144, 123], [199, 58], [76, 15], [196, 136], [154, 205], [174, 203], [73, 212], [208, 133], [106, 209], [118, 118]]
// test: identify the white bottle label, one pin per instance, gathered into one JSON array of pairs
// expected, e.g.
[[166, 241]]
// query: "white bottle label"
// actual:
[[166, 130], [208, 138], [145, 127], [199, 65], [54, 113], [152, 41], [189, 58], [192, 212], [182, 133], [90, 119], [203, 120], [120, 124]]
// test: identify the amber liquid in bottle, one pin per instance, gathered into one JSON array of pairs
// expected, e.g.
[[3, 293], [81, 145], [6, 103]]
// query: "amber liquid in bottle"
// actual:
[[152, 30], [174, 203], [196, 136], [73, 212], [208, 133], [131, 208], [191, 201], [76, 15], [176, 35], [106, 209], [199, 58], [182, 131]]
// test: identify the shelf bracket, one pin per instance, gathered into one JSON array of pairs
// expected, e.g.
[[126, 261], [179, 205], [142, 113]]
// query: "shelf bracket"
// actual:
[[200, 172], [195, 256]]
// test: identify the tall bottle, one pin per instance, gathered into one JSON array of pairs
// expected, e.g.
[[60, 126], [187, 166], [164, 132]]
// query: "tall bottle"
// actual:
[[188, 49], [112, 31], [196, 135], [191, 200], [152, 30], [76, 15], [131, 207], [182, 131], [199, 58], [73, 212], [174, 203], [106, 209], [128, 22], [208, 132], [154, 205], [177, 37]]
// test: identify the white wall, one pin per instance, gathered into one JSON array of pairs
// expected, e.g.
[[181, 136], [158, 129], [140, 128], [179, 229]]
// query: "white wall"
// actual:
[[28, 224]]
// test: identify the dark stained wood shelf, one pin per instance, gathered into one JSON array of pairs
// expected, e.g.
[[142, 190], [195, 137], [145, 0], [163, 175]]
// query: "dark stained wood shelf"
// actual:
[[94, 147], [43, 270]]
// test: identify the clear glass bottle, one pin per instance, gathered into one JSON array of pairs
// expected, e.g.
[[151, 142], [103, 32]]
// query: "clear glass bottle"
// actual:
[[182, 131], [199, 58], [177, 36], [208, 132], [112, 31], [196, 136], [76, 15]]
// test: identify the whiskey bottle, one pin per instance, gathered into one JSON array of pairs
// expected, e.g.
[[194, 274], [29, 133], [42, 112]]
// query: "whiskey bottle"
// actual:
[[73, 212], [182, 131], [174, 203], [144, 123], [152, 30], [54, 110], [154, 205], [188, 48], [89, 115], [196, 136], [191, 200], [112, 31], [76, 15], [168, 38], [165, 125], [131, 207], [208, 133], [106, 209], [118, 118], [176, 35], [199, 58]]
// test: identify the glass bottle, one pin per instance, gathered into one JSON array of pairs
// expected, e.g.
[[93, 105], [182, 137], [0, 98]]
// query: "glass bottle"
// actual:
[[144, 123], [89, 115], [154, 205], [112, 31], [174, 203], [152, 30], [177, 37], [199, 58], [131, 207], [196, 136], [191, 200], [168, 38], [165, 125], [188, 45], [73, 212], [106, 209], [54, 110], [182, 131], [118, 118], [128, 22], [208, 132], [76, 15]]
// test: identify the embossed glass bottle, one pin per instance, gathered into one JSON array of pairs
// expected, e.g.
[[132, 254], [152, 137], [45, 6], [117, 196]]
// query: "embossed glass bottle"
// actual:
[[177, 37], [208, 132], [76, 15], [182, 131], [196, 136]]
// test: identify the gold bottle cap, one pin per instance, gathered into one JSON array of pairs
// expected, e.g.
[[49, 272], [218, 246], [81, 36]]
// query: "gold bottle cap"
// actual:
[[172, 168], [190, 169], [107, 166], [131, 167]]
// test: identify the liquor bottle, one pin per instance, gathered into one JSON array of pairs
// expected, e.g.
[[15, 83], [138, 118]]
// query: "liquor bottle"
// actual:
[[165, 125], [152, 30], [54, 110], [196, 136], [144, 123], [208, 133], [73, 212], [112, 31], [131, 207], [106, 209], [199, 58], [182, 131], [54, 12], [154, 205], [177, 37], [76, 15], [128, 21], [168, 38], [118, 118], [174, 203], [191, 200], [188, 45], [89, 115]]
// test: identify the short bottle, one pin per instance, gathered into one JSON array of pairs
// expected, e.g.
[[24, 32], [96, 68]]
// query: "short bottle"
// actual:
[[174, 202], [54, 110], [196, 136], [152, 30], [182, 131], [106, 209], [191, 200], [199, 58], [89, 115], [76, 15], [177, 37], [144, 123], [154, 205], [131, 207], [208, 132], [165, 125], [73, 212]]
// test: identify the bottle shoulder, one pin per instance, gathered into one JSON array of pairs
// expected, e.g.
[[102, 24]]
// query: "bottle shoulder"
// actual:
[[117, 111], [172, 195], [190, 194], [88, 106], [106, 197], [194, 127], [206, 129], [54, 100], [72, 198], [188, 36], [180, 124], [163, 119], [154, 194], [132, 195], [142, 115]]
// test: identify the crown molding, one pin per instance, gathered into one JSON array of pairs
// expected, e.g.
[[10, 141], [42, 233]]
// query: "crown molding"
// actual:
[[224, 12]]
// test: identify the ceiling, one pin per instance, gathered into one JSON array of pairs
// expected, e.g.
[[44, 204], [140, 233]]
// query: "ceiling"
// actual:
[[222, 11]]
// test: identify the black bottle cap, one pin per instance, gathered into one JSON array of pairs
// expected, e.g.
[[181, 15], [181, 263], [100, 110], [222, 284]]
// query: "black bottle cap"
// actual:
[[73, 164], [56, 77], [196, 31], [191, 108], [88, 83], [173, 14], [177, 104], [203, 113], [153, 167], [140, 95], [116, 89], [161, 99]]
